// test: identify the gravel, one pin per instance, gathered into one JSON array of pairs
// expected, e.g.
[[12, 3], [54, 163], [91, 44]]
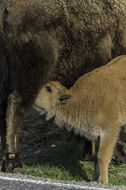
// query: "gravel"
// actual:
[[22, 182]]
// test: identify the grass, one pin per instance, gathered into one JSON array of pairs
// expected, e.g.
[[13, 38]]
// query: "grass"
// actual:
[[83, 171], [62, 164], [117, 174], [66, 163]]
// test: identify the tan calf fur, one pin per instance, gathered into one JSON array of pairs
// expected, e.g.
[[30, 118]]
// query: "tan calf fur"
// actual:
[[94, 107]]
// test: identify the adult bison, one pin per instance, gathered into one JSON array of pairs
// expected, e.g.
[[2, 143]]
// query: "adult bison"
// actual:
[[54, 40]]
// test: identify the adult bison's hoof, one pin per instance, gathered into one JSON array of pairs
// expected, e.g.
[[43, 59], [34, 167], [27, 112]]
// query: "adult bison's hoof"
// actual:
[[11, 163]]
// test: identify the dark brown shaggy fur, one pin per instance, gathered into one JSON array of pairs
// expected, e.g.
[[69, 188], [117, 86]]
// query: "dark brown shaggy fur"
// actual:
[[47, 40]]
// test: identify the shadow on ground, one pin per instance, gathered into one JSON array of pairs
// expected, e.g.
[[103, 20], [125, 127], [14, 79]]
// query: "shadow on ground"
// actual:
[[44, 143]]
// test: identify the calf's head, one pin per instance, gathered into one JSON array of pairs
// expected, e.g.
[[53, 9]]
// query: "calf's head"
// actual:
[[52, 95]]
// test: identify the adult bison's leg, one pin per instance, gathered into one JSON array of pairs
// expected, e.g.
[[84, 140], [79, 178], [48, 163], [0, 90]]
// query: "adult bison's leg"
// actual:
[[3, 127], [13, 119], [3, 90]]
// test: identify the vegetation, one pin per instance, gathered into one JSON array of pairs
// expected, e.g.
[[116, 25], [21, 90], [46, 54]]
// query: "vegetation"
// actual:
[[81, 172], [57, 154], [67, 164]]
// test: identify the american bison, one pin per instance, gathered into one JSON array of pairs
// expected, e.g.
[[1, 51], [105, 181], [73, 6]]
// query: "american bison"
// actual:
[[97, 114], [54, 40]]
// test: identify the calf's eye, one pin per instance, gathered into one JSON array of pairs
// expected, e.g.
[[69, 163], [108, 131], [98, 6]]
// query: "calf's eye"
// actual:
[[48, 88]]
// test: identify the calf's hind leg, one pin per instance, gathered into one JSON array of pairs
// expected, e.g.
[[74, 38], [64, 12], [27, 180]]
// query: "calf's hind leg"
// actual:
[[95, 147], [105, 151]]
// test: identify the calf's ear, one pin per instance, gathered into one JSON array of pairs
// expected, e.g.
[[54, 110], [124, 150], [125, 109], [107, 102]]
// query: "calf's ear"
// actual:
[[64, 98]]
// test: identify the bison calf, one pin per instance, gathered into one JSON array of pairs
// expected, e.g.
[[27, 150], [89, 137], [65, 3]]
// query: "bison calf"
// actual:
[[95, 107]]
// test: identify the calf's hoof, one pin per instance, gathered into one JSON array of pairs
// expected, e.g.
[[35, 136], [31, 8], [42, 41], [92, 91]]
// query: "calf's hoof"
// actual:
[[103, 180], [11, 163]]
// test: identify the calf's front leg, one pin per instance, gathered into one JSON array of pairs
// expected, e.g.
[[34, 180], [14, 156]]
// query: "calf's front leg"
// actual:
[[106, 146]]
